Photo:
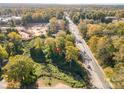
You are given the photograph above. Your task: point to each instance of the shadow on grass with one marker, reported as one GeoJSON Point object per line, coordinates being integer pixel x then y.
{"type": "Point", "coordinates": [77, 71]}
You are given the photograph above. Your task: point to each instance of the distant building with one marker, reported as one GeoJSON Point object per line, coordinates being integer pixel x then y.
{"type": "Point", "coordinates": [5, 20]}
{"type": "Point", "coordinates": [110, 19]}
{"type": "Point", "coordinates": [16, 18]}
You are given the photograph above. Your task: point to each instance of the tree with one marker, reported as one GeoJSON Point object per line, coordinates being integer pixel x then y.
{"type": "Point", "coordinates": [53, 25]}
{"type": "Point", "coordinates": [60, 46]}
{"type": "Point", "coordinates": [27, 18]}
{"type": "Point", "coordinates": [116, 28]}
{"type": "Point", "coordinates": [82, 28]}
{"type": "Point", "coordinates": [70, 38]}
{"type": "Point", "coordinates": [119, 14]}
{"type": "Point", "coordinates": [93, 43]}
{"type": "Point", "coordinates": [119, 45]}
{"type": "Point", "coordinates": [119, 55]}
{"type": "Point", "coordinates": [10, 48]}
{"type": "Point", "coordinates": [37, 17]}
{"type": "Point", "coordinates": [76, 17]}
{"type": "Point", "coordinates": [59, 14]}
{"type": "Point", "coordinates": [117, 42]}
{"type": "Point", "coordinates": [102, 42]}
{"type": "Point", "coordinates": [105, 57]}
{"type": "Point", "coordinates": [3, 55]}
{"type": "Point", "coordinates": [50, 48]}
{"type": "Point", "coordinates": [13, 36]}
{"type": "Point", "coordinates": [94, 29]}
{"type": "Point", "coordinates": [71, 54]}
{"type": "Point", "coordinates": [118, 76]}
{"type": "Point", "coordinates": [16, 39]}
{"type": "Point", "coordinates": [109, 72]}
{"type": "Point", "coordinates": [50, 42]}
{"type": "Point", "coordinates": [105, 50]}
{"type": "Point", "coordinates": [37, 43]}
{"type": "Point", "coordinates": [61, 34]}
{"type": "Point", "coordinates": [62, 25]}
{"type": "Point", "coordinates": [60, 42]}
{"type": "Point", "coordinates": [69, 43]}
{"type": "Point", "coordinates": [36, 49]}
{"type": "Point", "coordinates": [2, 37]}
{"type": "Point", "coordinates": [20, 69]}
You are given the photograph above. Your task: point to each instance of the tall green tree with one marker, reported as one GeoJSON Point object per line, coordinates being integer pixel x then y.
{"type": "Point", "coordinates": [50, 49]}
{"type": "Point", "coordinates": [36, 49]}
{"type": "Point", "coordinates": [53, 25]}
{"type": "Point", "coordinates": [61, 34]}
{"type": "Point", "coordinates": [3, 55]}
{"type": "Point", "coordinates": [82, 26]}
{"type": "Point", "coordinates": [16, 42]}
{"type": "Point", "coordinates": [20, 69]}
{"type": "Point", "coordinates": [71, 54]}
{"type": "Point", "coordinates": [118, 77]}
{"type": "Point", "coordinates": [119, 55]}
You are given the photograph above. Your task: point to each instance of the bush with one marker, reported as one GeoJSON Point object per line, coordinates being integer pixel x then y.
{"type": "Point", "coordinates": [60, 75]}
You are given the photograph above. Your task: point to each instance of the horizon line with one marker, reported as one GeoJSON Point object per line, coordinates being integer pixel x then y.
{"type": "Point", "coordinates": [69, 4]}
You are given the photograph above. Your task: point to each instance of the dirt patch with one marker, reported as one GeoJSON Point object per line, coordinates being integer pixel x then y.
{"type": "Point", "coordinates": [54, 83]}
{"type": "Point", "coordinates": [3, 84]}
{"type": "Point", "coordinates": [61, 85]}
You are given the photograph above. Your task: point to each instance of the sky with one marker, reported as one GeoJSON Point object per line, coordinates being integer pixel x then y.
{"type": "Point", "coordinates": [66, 1]}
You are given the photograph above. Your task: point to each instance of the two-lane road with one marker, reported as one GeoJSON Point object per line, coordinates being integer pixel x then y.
{"type": "Point", "coordinates": [98, 77]}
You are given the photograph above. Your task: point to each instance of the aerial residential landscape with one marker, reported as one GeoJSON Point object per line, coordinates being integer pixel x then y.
{"type": "Point", "coordinates": [61, 46]}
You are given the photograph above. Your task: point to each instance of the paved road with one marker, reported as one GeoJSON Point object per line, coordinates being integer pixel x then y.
{"type": "Point", "coordinates": [98, 77]}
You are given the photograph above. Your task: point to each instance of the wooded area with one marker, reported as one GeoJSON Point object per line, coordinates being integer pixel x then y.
{"type": "Point", "coordinates": [55, 55]}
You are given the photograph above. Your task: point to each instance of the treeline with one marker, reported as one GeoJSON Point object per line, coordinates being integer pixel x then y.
{"type": "Point", "coordinates": [33, 15]}
{"type": "Point", "coordinates": [96, 14]}
{"type": "Point", "coordinates": [42, 15]}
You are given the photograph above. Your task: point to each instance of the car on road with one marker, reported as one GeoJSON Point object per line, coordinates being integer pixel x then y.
{"type": "Point", "coordinates": [89, 67]}
{"type": "Point", "coordinates": [79, 41]}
